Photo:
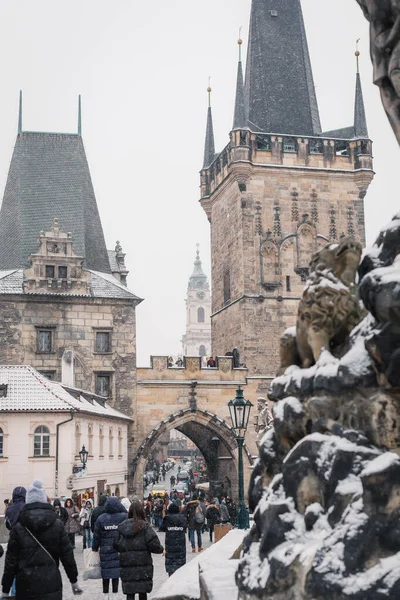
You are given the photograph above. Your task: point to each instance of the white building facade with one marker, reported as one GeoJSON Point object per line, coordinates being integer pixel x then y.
{"type": "Point", "coordinates": [197, 339]}
{"type": "Point", "coordinates": [43, 426]}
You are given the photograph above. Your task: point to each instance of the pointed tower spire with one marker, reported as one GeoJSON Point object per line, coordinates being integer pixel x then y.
{"type": "Point", "coordinates": [198, 278]}
{"type": "Point", "coordinates": [360, 120]}
{"type": "Point", "coordinates": [20, 113]}
{"type": "Point", "coordinates": [280, 94]}
{"type": "Point", "coordinates": [239, 119]}
{"type": "Point", "coordinates": [209, 148]}
{"type": "Point", "coordinates": [80, 115]}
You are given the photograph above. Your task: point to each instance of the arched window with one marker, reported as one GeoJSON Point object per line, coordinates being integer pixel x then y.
{"type": "Point", "coordinates": [77, 439]}
{"type": "Point", "coordinates": [41, 441]}
{"type": "Point", "coordinates": [101, 440]}
{"type": "Point", "coordinates": [119, 442]}
{"type": "Point", "coordinates": [201, 316]}
{"type": "Point", "coordinates": [1, 442]}
{"type": "Point", "coordinates": [90, 437]}
{"type": "Point", "coordinates": [202, 350]}
{"type": "Point", "coordinates": [110, 442]}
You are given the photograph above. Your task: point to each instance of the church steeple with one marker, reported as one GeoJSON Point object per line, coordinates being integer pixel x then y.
{"type": "Point", "coordinates": [198, 278]}
{"type": "Point", "coordinates": [209, 148]}
{"type": "Point", "coordinates": [360, 120]}
{"type": "Point", "coordinates": [279, 92]}
{"type": "Point", "coordinates": [239, 119]}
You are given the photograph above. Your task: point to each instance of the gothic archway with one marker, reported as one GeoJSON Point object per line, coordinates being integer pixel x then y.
{"type": "Point", "coordinates": [213, 437]}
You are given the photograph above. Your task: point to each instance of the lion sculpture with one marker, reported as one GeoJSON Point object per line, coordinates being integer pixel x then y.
{"type": "Point", "coordinates": [329, 308]}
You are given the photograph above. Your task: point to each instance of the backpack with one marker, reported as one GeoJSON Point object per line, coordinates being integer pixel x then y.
{"type": "Point", "coordinates": [199, 515]}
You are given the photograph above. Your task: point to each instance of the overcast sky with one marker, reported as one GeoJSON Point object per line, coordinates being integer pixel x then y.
{"type": "Point", "coordinates": [142, 69]}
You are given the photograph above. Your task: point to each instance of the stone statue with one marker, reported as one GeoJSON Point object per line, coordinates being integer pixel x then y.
{"type": "Point", "coordinates": [329, 308]}
{"type": "Point", "coordinates": [384, 18]}
{"type": "Point", "coordinates": [325, 489]}
{"type": "Point", "coordinates": [263, 418]}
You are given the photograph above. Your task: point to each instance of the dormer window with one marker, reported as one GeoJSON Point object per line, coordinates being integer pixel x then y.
{"type": "Point", "coordinates": [50, 271]}
{"type": "Point", "coordinates": [63, 272]}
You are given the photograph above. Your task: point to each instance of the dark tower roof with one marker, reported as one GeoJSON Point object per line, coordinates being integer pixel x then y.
{"type": "Point", "coordinates": [49, 177]}
{"type": "Point", "coordinates": [280, 94]}
{"type": "Point", "coordinates": [239, 119]}
{"type": "Point", "coordinates": [209, 147]}
{"type": "Point", "coordinates": [360, 120]}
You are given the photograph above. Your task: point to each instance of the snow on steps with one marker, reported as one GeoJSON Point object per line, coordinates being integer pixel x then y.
{"type": "Point", "coordinates": [217, 573]}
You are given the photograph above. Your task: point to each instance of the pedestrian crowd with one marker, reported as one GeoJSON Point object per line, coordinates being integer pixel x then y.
{"type": "Point", "coordinates": [123, 532]}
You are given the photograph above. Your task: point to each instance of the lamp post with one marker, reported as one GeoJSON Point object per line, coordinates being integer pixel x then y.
{"type": "Point", "coordinates": [83, 455]}
{"type": "Point", "coordinates": [239, 410]}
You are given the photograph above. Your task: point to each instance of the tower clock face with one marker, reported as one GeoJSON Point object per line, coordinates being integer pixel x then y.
{"type": "Point", "coordinates": [200, 295]}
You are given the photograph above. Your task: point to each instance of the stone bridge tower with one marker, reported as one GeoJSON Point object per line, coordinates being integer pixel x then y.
{"type": "Point", "coordinates": [279, 190]}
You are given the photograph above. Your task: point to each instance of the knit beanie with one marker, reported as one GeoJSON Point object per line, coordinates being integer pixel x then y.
{"type": "Point", "coordinates": [36, 493]}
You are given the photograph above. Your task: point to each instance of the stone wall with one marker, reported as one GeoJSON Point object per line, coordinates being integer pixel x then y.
{"type": "Point", "coordinates": [75, 321]}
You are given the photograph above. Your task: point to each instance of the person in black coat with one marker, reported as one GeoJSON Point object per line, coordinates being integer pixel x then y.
{"type": "Point", "coordinates": [99, 510]}
{"type": "Point", "coordinates": [174, 525]}
{"type": "Point", "coordinates": [105, 534]}
{"type": "Point", "coordinates": [213, 516]}
{"type": "Point", "coordinates": [136, 541]}
{"type": "Point", "coordinates": [38, 541]}
{"type": "Point", "coordinates": [12, 512]}
{"type": "Point", "coordinates": [61, 512]}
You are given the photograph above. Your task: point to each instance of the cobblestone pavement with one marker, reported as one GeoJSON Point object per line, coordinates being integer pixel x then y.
{"type": "Point", "coordinates": [93, 589]}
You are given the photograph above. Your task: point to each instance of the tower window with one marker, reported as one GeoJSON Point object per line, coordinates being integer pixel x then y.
{"type": "Point", "coordinates": [227, 286]}
{"type": "Point", "coordinates": [289, 145]}
{"type": "Point", "coordinates": [200, 315]}
{"type": "Point", "coordinates": [49, 375]}
{"type": "Point", "coordinates": [63, 272]}
{"type": "Point", "coordinates": [45, 341]}
{"type": "Point", "coordinates": [202, 350]}
{"type": "Point", "coordinates": [50, 271]}
{"type": "Point", "coordinates": [288, 286]}
{"type": "Point", "coordinates": [103, 342]}
{"type": "Point", "coordinates": [1, 441]}
{"type": "Point", "coordinates": [103, 384]}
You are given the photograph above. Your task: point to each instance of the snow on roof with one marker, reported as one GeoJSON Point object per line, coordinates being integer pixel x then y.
{"type": "Point", "coordinates": [29, 391]}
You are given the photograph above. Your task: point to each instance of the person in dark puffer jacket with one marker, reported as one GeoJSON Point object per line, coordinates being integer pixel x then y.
{"type": "Point", "coordinates": [105, 534]}
{"type": "Point", "coordinates": [18, 501]}
{"type": "Point", "coordinates": [99, 510]}
{"type": "Point", "coordinates": [36, 569]}
{"type": "Point", "coordinates": [174, 525]}
{"type": "Point", "coordinates": [136, 541]}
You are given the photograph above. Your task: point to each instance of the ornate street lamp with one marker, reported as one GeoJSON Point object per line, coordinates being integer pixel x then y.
{"type": "Point", "coordinates": [83, 455]}
{"type": "Point", "coordinates": [239, 409]}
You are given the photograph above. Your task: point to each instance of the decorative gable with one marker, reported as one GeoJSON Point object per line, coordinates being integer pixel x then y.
{"type": "Point", "coordinates": [55, 268]}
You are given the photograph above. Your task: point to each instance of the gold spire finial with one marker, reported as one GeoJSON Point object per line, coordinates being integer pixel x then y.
{"type": "Point", "coordinates": [209, 90]}
{"type": "Point", "coordinates": [357, 55]}
{"type": "Point", "coordinates": [240, 42]}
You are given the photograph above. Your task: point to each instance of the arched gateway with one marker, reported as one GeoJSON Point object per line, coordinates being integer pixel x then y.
{"type": "Point", "coordinates": [194, 401]}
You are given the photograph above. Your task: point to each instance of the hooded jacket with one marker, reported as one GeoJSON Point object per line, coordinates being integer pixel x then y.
{"type": "Point", "coordinates": [190, 510]}
{"type": "Point", "coordinates": [174, 525]}
{"type": "Point", "coordinates": [61, 512]}
{"type": "Point", "coordinates": [105, 534]}
{"type": "Point", "coordinates": [37, 574]}
{"type": "Point", "coordinates": [98, 510]}
{"type": "Point", "coordinates": [135, 543]}
{"type": "Point", "coordinates": [213, 514]}
{"type": "Point", "coordinates": [18, 501]}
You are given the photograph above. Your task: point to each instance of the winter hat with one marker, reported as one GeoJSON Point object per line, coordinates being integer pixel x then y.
{"type": "Point", "coordinates": [36, 493]}
{"type": "Point", "coordinates": [126, 503]}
